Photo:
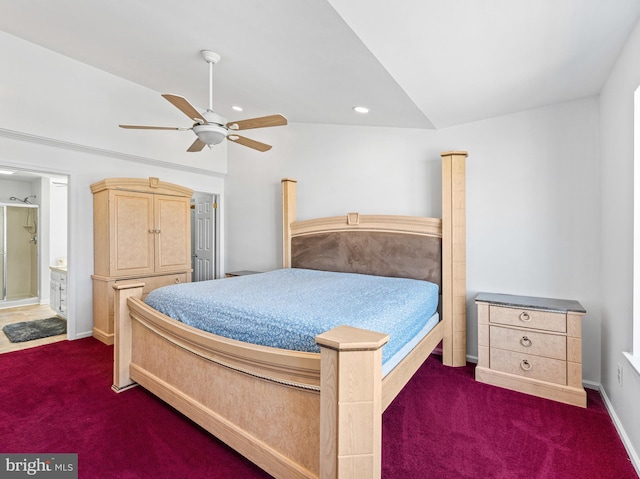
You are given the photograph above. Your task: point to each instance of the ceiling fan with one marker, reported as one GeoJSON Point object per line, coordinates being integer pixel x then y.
{"type": "Point", "coordinates": [211, 128]}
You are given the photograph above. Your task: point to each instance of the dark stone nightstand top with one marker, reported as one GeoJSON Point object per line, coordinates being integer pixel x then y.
{"type": "Point", "coordinates": [529, 302]}
{"type": "Point", "coordinates": [243, 272]}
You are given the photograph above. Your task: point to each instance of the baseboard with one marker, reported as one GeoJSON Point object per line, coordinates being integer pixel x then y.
{"type": "Point", "coordinates": [591, 385]}
{"type": "Point", "coordinates": [85, 334]}
{"type": "Point", "coordinates": [633, 455]}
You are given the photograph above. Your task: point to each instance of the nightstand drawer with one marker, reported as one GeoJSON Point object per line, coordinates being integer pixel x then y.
{"type": "Point", "coordinates": [528, 342]}
{"type": "Point", "coordinates": [543, 320]}
{"type": "Point", "coordinates": [529, 366]}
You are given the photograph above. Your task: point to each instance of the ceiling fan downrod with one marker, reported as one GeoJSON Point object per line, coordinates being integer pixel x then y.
{"type": "Point", "coordinates": [211, 58]}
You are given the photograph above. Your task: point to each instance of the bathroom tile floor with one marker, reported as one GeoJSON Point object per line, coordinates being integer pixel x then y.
{"type": "Point", "coordinates": [25, 313]}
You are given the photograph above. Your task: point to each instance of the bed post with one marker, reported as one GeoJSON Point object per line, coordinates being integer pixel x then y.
{"type": "Point", "coordinates": [288, 217]}
{"type": "Point", "coordinates": [351, 403]}
{"type": "Point", "coordinates": [122, 334]}
{"type": "Point", "coordinates": [454, 287]}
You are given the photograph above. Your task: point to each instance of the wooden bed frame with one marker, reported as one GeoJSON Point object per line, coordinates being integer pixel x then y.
{"type": "Point", "coordinates": [297, 414]}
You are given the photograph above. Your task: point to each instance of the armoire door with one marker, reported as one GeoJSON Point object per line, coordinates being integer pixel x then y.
{"type": "Point", "coordinates": [173, 233]}
{"type": "Point", "coordinates": [133, 233]}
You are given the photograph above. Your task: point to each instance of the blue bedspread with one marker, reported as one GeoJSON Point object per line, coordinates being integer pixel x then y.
{"type": "Point", "coordinates": [287, 308]}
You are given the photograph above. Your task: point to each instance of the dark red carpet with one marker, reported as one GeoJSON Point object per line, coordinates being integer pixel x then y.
{"type": "Point", "coordinates": [57, 399]}
{"type": "Point", "coordinates": [446, 425]}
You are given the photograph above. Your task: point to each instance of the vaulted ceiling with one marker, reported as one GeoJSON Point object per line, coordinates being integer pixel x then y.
{"type": "Point", "coordinates": [413, 63]}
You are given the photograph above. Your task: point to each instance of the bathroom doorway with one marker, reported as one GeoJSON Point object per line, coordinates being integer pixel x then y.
{"type": "Point", "coordinates": [33, 234]}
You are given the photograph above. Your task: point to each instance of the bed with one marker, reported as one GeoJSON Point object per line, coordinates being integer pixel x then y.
{"type": "Point", "coordinates": [302, 414]}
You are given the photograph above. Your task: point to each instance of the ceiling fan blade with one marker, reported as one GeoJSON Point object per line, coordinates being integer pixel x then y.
{"type": "Point", "coordinates": [185, 107]}
{"type": "Point", "coordinates": [256, 145]}
{"type": "Point", "coordinates": [264, 121]}
{"type": "Point", "coordinates": [142, 127]}
{"type": "Point", "coordinates": [197, 146]}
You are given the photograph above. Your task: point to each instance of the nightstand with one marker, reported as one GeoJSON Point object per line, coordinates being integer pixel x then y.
{"type": "Point", "coordinates": [243, 272]}
{"type": "Point", "coordinates": [532, 345]}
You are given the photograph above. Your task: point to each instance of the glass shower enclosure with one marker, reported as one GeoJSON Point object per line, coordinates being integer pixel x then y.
{"type": "Point", "coordinates": [18, 254]}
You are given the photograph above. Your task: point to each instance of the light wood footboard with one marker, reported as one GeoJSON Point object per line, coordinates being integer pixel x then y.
{"type": "Point", "coordinates": [296, 415]}
{"type": "Point", "coordinates": [262, 402]}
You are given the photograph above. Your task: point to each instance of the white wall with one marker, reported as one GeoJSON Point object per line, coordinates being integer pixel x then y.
{"type": "Point", "coordinates": [532, 198]}
{"type": "Point", "coordinates": [616, 225]}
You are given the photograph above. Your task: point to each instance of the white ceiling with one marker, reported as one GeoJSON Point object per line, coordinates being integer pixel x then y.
{"type": "Point", "coordinates": [414, 63]}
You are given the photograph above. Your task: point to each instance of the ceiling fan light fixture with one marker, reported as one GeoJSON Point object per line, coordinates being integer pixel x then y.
{"type": "Point", "coordinates": [210, 128]}
{"type": "Point", "coordinates": [210, 134]}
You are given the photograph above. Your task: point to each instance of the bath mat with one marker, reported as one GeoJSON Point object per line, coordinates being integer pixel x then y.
{"type": "Point", "coordinates": [36, 329]}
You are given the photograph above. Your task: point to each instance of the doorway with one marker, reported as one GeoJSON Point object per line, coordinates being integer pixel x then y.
{"type": "Point", "coordinates": [33, 234]}
{"type": "Point", "coordinates": [203, 236]}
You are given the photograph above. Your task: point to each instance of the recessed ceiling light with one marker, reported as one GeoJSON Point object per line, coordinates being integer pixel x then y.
{"type": "Point", "coordinates": [6, 172]}
{"type": "Point", "coordinates": [236, 108]}
{"type": "Point", "coordinates": [360, 109]}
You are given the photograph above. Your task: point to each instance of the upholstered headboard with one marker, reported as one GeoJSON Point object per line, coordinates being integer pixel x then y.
{"type": "Point", "coordinates": [382, 245]}
{"type": "Point", "coordinates": [379, 253]}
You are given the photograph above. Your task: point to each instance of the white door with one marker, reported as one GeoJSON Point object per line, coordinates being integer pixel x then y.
{"type": "Point", "coordinates": [203, 227]}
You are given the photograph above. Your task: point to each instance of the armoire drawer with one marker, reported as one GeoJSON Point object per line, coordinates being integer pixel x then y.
{"type": "Point", "coordinates": [103, 298]}
{"type": "Point", "coordinates": [150, 283]}
{"type": "Point", "coordinates": [155, 282]}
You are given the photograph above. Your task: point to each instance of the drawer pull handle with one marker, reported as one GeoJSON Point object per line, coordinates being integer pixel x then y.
{"type": "Point", "coordinates": [526, 365]}
{"type": "Point", "coordinates": [524, 316]}
{"type": "Point", "coordinates": [151, 230]}
{"type": "Point", "coordinates": [157, 231]}
{"type": "Point", "coordinates": [526, 342]}
{"type": "Point", "coordinates": [177, 280]}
